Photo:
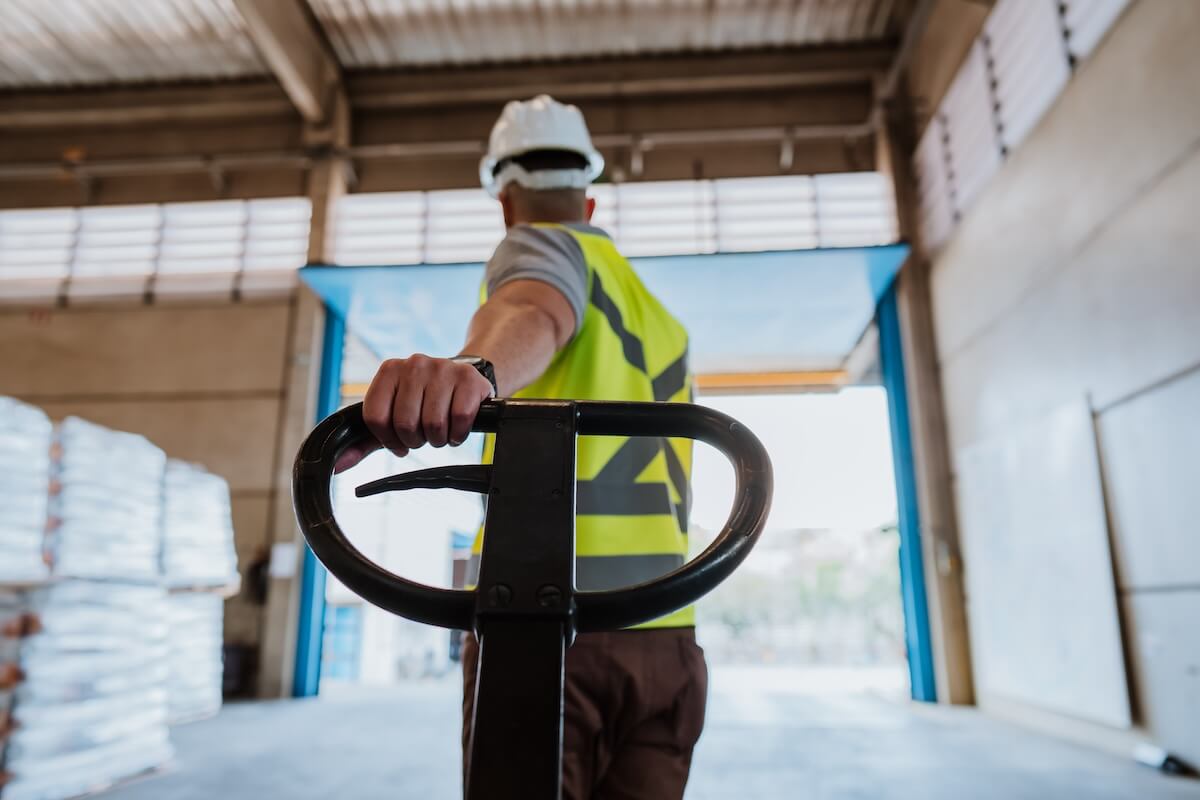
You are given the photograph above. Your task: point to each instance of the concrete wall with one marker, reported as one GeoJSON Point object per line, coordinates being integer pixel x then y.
{"type": "Point", "coordinates": [227, 385]}
{"type": "Point", "coordinates": [1075, 275]}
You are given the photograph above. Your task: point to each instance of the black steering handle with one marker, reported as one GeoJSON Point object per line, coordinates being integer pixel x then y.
{"type": "Point", "coordinates": [595, 611]}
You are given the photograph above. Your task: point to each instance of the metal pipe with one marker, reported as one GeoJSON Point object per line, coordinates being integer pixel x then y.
{"type": "Point", "coordinates": [468, 147]}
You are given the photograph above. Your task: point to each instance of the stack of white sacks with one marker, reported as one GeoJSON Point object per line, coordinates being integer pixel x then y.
{"type": "Point", "coordinates": [90, 706]}
{"type": "Point", "coordinates": [197, 546]}
{"type": "Point", "coordinates": [83, 657]}
{"type": "Point", "coordinates": [196, 629]}
{"type": "Point", "coordinates": [25, 436]}
{"type": "Point", "coordinates": [198, 558]}
{"type": "Point", "coordinates": [108, 511]}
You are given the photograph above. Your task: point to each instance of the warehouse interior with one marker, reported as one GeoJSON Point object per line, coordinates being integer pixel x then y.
{"type": "Point", "coordinates": [218, 216]}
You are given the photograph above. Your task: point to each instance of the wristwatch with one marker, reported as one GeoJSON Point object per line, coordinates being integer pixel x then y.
{"type": "Point", "coordinates": [482, 366]}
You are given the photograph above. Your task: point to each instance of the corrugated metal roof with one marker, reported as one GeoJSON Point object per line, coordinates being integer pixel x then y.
{"type": "Point", "coordinates": [91, 42]}
{"type": "Point", "coordinates": [87, 42]}
{"type": "Point", "coordinates": [386, 33]}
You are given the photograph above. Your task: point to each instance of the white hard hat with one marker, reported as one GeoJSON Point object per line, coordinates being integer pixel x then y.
{"type": "Point", "coordinates": [542, 123]}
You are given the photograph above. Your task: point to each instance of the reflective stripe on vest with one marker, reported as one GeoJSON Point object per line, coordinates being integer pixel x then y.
{"type": "Point", "coordinates": [633, 494]}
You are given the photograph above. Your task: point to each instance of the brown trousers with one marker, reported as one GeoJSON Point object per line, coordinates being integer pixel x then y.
{"type": "Point", "coordinates": [634, 711]}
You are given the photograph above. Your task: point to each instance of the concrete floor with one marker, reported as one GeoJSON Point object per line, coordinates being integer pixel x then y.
{"type": "Point", "coordinates": [770, 736]}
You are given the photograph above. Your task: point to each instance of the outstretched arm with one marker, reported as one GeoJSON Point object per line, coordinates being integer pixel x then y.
{"type": "Point", "coordinates": [418, 400]}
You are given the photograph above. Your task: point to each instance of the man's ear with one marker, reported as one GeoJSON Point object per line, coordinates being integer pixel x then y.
{"type": "Point", "coordinates": [506, 204]}
{"type": "Point", "coordinates": [589, 209]}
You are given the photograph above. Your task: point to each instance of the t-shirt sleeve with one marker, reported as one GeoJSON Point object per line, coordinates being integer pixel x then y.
{"type": "Point", "coordinates": [549, 255]}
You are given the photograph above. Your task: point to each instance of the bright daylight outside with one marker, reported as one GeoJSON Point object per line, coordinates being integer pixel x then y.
{"type": "Point", "coordinates": [815, 610]}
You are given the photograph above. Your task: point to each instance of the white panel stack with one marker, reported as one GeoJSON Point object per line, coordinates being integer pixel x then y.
{"type": "Point", "coordinates": [1087, 21]}
{"type": "Point", "coordinates": [657, 218]}
{"type": "Point", "coordinates": [379, 228]}
{"type": "Point", "coordinates": [971, 129]}
{"type": "Point", "coordinates": [195, 636]}
{"type": "Point", "coordinates": [933, 186]}
{"type": "Point", "coordinates": [107, 513]}
{"type": "Point", "coordinates": [25, 436]}
{"type": "Point", "coordinates": [765, 214]}
{"type": "Point", "coordinates": [1009, 79]}
{"type": "Point", "coordinates": [855, 209]}
{"type": "Point", "coordinates": [462, 225]}
{"type": "Point", "coordinates": [169, 251]}
{"type": "Point", "coordinates": [667, 218]}
{"type": "Point", "coordinates": [197, 546]}
{"type": "Point", "coordinates": [90, 708]}
{"type": "Point", "coordinates": [1029, 63]}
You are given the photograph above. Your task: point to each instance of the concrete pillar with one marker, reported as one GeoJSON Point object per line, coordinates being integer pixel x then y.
{"type": "Point", "coordinates": [328, 177]}
{"type": "Point", "coordinates": [931, 460]}
{"type": "Point", "coordinates": [297, 414]}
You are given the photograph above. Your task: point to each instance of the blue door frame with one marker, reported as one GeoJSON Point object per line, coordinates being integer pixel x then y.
{"type": "Point", "coordinates": [912, 570]}
{"type": "Point", "coordinates": [306, 678]}
{"type": "Point", "coordinates": [307, 675]}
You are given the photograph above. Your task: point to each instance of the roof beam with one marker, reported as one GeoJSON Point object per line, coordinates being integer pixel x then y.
{"type": "Point", "coordinates": [790, 111]}
{"type": "Point", "coordinates": [937, 36]}
{"type": "Point", "coordinates": [295, 49]}
{"type": "Point", "coordinates": [631, 76]}
{"type": "Point", "coordinates": [914, 29]}
{"type": "Point", "coordinates": [154, 105]}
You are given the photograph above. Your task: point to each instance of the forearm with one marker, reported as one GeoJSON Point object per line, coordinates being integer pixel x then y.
{"type": "Point", "coordinates": [519, 338]}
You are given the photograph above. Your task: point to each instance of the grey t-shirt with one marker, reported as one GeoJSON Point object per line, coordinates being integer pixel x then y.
{"type": "Point", "coordinates": [546, 254]}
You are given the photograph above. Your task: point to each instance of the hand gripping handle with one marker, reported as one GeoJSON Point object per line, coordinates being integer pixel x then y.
{"type": "Point", "coordinates": [595, 611]}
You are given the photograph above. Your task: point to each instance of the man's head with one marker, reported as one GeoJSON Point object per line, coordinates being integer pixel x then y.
{"type": "Point", "coordinates": [525, 205]}
{"type": "Point", "coordinates": [540, 161]}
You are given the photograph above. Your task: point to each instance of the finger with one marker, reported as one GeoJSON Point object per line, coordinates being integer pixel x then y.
{"type": "Point", "coordinates": [377, 406]}
{"type": "Point", "coordinates": [353, 455]}
{"type": "Point", "coordinates": [435, 411]}
{"type": "Point", "coordinates": [406, 413]}
{"type": "Point", "coordinates": [464, 408]}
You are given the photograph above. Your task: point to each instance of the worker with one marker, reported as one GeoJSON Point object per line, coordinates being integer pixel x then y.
{"type": "Point", "coordinates": [565, 316]}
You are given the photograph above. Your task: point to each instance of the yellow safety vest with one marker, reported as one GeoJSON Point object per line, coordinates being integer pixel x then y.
{"type": "Point", "coordinates": [632, 495]}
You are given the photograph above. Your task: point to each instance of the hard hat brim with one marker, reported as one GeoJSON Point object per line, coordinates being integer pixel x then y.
{"type": "Point", "coordinates": [489, 180]}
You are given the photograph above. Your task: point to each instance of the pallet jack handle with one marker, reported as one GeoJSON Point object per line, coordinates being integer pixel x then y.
{"type": "Point", "coordinates": [527, 610]}
{"type": "Point", "coordinates": [595, 611]}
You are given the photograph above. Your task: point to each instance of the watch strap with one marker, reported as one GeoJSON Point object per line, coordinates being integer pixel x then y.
{"type": "Point", "coordinates": [482, 366]}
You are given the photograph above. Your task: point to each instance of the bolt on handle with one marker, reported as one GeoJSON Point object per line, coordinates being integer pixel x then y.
{"type": "Point", "coordinates": [595, 611]}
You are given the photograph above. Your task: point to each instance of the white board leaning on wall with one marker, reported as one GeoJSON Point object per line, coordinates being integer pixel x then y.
{"type": "Point", "coordinates": [1040, 588]}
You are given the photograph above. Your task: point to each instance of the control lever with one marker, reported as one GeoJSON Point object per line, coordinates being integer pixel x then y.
{"type": "Point", "coordinates": [465, 478]}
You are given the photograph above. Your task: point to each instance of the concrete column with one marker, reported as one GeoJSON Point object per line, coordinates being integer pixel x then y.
{"type": "Point", "coordinates": [297, 414]}
{"type": "Point", "coordinates": [931, 460]}
{"type": "Point", "coordinates": [328, 177]}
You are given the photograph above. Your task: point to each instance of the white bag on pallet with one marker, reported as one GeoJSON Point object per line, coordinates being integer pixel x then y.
{"type": "Point", "coordinates": [91, 707]}
{"type": "Point", "coordinates": [198, 545]}
{"type": "Point", "coordinates": [196, 659]}
{"type": "Point", "coordinates": [107, 510]}
{"type": "Point", "coordinates": [25, 474]}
